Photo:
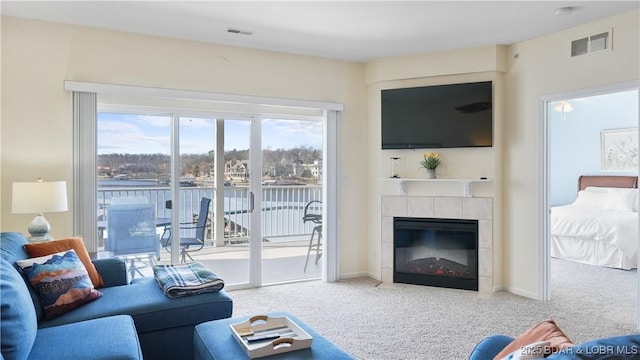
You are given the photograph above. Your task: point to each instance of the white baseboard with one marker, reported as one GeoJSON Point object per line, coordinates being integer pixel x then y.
{"type": "Point", "coordinates": [513, 290]}
{"type": "Point", "coordinates": [356, 275]}
{"type": "Point", "coordinates": [520, 292]}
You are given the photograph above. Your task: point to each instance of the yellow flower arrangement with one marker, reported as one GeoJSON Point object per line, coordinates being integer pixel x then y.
{"type": "Point", "coordinates": [430, 161]}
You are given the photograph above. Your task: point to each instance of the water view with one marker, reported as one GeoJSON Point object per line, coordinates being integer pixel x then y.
{"type": "Point", "coordinates": [133, 161]}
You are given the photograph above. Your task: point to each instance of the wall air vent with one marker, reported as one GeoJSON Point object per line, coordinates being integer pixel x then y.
{"type": "Point", "coordinates": [238, 31]}
{"type": "Point", "coordinates": [590, 44]}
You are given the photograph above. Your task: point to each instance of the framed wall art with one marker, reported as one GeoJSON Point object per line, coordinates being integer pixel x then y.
{"type": "Point", "coordinates": [619, 148]}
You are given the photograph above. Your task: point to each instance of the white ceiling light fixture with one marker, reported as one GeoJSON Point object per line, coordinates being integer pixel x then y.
{"type": "Point", "coordinates": [563, 107]}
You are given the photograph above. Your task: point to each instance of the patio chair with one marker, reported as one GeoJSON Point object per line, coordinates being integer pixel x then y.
{"type": "Point", "coordinates": [131, 235]}
{"type": "Point", "coordinates": [193, 243]}
{"type": "Point", "coordinates": [313, 213]}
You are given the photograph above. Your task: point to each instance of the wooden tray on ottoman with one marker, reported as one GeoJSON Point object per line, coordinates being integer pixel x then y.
{"type": "Point", "coordinates": [291, 336]}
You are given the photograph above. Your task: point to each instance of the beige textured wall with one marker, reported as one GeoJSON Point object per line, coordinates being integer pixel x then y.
{"type": "Point", "coordinates": [37, 114]}
{"type": "Point", "coordinates": [543, 67]}
{"type": "Point", "coordinates": [35, 133]}
{"type": "Point", "coordinates": [458, 66]}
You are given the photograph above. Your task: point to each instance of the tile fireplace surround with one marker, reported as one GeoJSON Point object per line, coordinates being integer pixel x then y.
{"type": "Point", "coordinates": [443, 207]}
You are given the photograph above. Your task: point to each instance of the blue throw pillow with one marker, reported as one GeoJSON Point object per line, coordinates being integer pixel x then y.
{"type": "Point", "coordinates": [61, 280]}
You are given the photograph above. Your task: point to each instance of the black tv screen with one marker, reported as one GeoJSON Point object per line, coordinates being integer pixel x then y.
{"type": "Point", "coordinates": [441, 116]}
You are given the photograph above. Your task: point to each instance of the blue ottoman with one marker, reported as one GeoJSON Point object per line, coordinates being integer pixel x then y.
{"type": "Point", "coordinates": [213, 340]}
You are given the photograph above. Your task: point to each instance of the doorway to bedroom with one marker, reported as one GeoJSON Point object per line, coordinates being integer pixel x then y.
{"type": "Point", "coordinates": [592, 133]}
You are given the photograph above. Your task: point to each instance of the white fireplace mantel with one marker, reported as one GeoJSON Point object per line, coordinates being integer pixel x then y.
{"type": "Point", "coordinates": [467, 184]}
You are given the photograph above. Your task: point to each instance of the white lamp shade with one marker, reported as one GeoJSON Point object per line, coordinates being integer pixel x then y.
{"type": "Point", "coordinates": [37, 197]}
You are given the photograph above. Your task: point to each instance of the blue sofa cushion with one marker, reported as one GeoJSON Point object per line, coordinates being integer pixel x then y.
{"type": "Point", "coordinates": [19, 324]}
{"type": "Point", "coordinates": [12, 249]}
{"type": "Point", "coordinates": [107, 338]}
{"type": "Point", "coordinates": [61, 280]}
{"type": "Point", "coordinates": [112, 270]}
{"type": "Point", "coordinates": [151, 309]}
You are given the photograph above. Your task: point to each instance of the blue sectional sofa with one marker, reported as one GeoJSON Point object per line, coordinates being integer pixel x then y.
{"type": "Point", "coordinates": [164, 326]}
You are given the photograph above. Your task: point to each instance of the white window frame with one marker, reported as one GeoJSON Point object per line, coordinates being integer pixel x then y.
{"type": "Point", "coordinates": [85, 110]}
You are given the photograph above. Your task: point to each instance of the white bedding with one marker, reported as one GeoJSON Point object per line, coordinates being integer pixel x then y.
{"type": "Point", "coordinates": [595, 232]}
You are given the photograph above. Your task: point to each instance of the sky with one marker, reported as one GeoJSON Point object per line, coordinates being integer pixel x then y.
{"type": "Point", "coordinates": [150, 134]}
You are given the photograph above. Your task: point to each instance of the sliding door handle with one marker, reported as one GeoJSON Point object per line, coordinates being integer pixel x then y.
{"type": "Point", "coordinates": [251, 207]}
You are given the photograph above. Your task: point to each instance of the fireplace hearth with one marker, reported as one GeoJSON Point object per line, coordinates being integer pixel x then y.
{"type": "Point", "coordinates": [436, 252]}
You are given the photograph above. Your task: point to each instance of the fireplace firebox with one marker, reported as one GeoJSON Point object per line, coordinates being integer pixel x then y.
{"type": "Point", "coordinates": [436, 252]}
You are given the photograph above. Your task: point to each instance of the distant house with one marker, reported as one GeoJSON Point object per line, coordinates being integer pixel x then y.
{"type": "Point", "coordinates": [297, 168]}
{"type": "Point", "coordinates": [316, 169]}
{"type": "Point", "coordinates": [237, 169]}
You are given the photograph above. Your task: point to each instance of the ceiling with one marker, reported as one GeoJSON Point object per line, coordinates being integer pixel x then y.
{"type": "Point", "coordinates": [348, 30]}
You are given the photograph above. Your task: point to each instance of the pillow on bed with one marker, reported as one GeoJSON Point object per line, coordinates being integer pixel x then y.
{"type": "Point", "coordinates": [597, 188]}
{"type": "Point", "coordinates": [632, 193]}
{"type": "Point", "coordinates": [591, 199]}
{"type": "Point", "coordinates": [620, 199]}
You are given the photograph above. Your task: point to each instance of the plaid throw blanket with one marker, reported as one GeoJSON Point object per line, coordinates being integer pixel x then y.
{"type": "Point", "coordinates": [187, 279]}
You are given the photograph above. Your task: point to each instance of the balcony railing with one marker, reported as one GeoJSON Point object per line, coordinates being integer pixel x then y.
{"type": "Point", "coordinates": [282, 208]}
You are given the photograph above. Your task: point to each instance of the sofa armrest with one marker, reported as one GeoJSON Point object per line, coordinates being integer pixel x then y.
{"type": "Point", "coordinates": [112, 270]}
{"type": "Point", "coordinates": [490, 346]}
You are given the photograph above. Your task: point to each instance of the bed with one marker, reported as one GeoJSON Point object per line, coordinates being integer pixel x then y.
{"type": "Point", "coordinates": [601, 226]}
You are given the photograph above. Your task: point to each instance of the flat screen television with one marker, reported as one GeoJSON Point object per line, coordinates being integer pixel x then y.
{"type": "Point", "coordinates": [441, 116]}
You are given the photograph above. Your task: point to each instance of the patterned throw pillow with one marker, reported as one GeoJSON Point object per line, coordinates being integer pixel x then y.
{"type": "Point", "coordinates": [61, 280]}
{"type": "Point", "coordinates": [53, 246]}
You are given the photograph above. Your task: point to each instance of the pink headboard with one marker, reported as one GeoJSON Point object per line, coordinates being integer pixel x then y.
{"type": "Point", "coordinates": [607, 181]}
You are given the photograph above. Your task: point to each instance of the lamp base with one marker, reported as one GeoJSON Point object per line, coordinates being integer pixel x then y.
{"type": "Point", "coordinates": [34, 239]}
{"type": "Point", "coordinates": [39, 229]}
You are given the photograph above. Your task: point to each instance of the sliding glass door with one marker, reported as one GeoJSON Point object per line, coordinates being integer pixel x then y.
{"type": "Point", "coordinates": [253, 183]}
{"type": "Point", "coordinates": [133, 162]}
{"type": "Point", "coordinates": [215, 164]}
{"type": "Point", "coordinates": [291, 202]}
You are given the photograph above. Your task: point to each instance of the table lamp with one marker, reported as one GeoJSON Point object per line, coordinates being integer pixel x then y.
{"type": "Point", "coordinates": [39, 197]}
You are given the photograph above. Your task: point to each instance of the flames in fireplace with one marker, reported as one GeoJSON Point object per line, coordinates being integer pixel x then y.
{"type": "Point", "coordinates": [437, 266]}
{"type": "Point", "coordinates": [436, 252]}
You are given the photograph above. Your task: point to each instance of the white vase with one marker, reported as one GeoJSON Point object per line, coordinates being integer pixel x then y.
{"type": "Point", "coordinates": [431, 174]}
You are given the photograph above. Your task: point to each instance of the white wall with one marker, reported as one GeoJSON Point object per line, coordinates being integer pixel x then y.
{"type": "Point", "coordinates": [37, 113]}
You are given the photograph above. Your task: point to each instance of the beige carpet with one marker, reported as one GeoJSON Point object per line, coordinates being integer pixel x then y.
{"type": "Point", "coordinates": [396, 321]}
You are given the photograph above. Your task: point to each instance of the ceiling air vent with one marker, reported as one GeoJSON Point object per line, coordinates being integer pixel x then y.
{"type": "Point", "coordinates": [590, 44]}
{"type": "Point", "coordinates": [238, 31]}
